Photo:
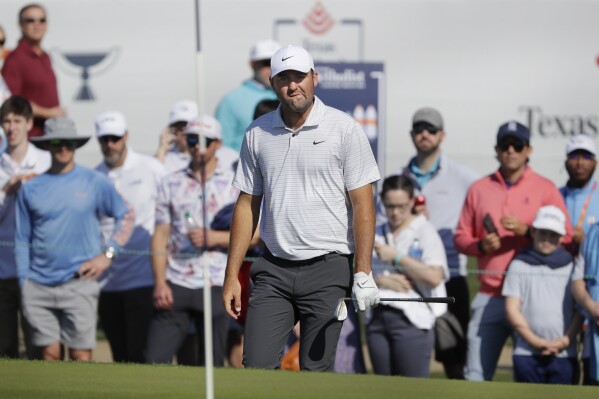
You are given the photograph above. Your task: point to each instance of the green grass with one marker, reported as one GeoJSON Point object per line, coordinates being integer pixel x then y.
{"type": "Point", "coordinates": [69, 380]}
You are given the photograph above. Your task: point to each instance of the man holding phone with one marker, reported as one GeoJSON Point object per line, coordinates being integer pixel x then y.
{"type": "Point", "coordinates": [173, 151]}
{"type": "Point", "coordinates": [494, 227]}
{"type": "Point", "coordinates": [442, 183]}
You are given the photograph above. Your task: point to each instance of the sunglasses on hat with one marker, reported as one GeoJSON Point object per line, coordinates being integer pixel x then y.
{"type": "Point", "coordinates": [422, 126]}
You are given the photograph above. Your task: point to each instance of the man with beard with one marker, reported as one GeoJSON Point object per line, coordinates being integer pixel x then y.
{"type": "Point", "coordinates": [125, 305]}
{"type": "Point", "coordinates": [443, 182]}
{"type": "Point", "coordinates": [236, 110]}
{"type": "Point", "coordinates": [580, 192]}
{"type": "Point", "coordinates": [582, 201]}
{"type": "Point", "coordinates": [314, 168]}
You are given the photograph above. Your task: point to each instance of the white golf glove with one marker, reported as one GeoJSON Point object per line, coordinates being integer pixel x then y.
{"type": "Point", "coordinates": [365, 293]}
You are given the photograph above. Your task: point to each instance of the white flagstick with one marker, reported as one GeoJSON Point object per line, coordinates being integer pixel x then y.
{"type": "Point", "coordinates": [209, 361]}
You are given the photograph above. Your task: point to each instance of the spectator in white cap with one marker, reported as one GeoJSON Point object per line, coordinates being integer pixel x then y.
{"type": "Point", "coordinates": [235, 111]}
{"type": "Point", "coordinates": [58, 248]}
{"type": "Point", "coordinates": [181, 245]}
{"type": "Point", "coordinates": [580, 192]}
{"type": "Point", "coordinates": [125, 305]}
{"type": "Point", "coordinates": [582, 201]}
{"type": "Point", "coordinates": [320, 158]}
{"type": "Point", "coordinates": [173, 151]}
{"type": "Point", "coordinates": [540, 307]}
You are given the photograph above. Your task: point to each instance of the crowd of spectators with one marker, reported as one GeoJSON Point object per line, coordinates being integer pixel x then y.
{"type": "Point", "coordinates": [131, 239]}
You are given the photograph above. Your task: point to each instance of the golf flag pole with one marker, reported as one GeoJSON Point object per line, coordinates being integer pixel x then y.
{"type": "Point", "coordinates": [209, 361]}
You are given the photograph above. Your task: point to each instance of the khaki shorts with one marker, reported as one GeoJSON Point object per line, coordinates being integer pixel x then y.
{"type": "Point", "coordinates": [66, 313]}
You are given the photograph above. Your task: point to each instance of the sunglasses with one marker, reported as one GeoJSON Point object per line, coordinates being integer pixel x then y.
{"type": "Point", "coordinates": [581, 155]}
{"type": "Point", "coordinates": [110, 138]}
{"type": "Point", "coordinates": [194, 139]}
{"type": "Point", "coordinates": [2, 41]}
{"type": "Point", "coordinates": [263, 63]}
{"type": "Point", "coordinates": [505, 145]}
{"type": "Point", "coordinates": [33, 20]}
{"type": "Point", "coordinates": [421, 127]}
{"type": "Point", "coordinates": [59, 143]}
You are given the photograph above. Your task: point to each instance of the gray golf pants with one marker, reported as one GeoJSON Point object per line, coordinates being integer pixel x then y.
{"type": "Point", "coordinates": [286, 292]}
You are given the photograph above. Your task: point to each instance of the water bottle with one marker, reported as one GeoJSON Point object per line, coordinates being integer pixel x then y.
{"type": "Point", "coordinates": [415, 250]}
{"type": "Point", "coordinates": [190, 222]}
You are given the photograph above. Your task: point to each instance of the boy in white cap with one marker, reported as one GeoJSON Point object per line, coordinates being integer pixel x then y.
{"type": "Point", "coordinates": [177, 256]}
{"type": "Point", "coordinates": [580, 192]}
{"type": "Point", "coordinates": [313, 167]}
{"type": "Point", "coordinates": [236, 110]}
{"type": "Point", "coordinates": [540, 307]}
{"type": "Point", "coordinates": [125, 305]}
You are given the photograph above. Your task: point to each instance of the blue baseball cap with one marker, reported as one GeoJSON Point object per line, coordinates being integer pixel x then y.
{"type": "Point", "coordinates": [514, 129]}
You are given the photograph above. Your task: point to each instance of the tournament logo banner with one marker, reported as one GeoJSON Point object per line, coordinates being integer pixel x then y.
{"type": "Point", "coordinates": [358, 90]}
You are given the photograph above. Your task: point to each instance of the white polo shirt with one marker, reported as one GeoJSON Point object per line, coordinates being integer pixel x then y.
{"type": "Point", "coordinates": [36, 161]}
{"type": "Point", "coordinates": [305, 177]}
{"type": "Point", "coordinates": [138, 181]}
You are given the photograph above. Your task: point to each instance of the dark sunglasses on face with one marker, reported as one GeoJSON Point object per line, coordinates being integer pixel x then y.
{"type": "Point", "coordinates": [505, 145]}
{"type": "Point", "coordinates": [110, 138]}
{"type": "Point", "coordinates": [263, 63]}
{"type": "Point", "coordinates": [421, 127]}
{"type": "Point", "coordinates": [33, 20]}
{"type": "Point", "coordinates": [2, 41]}
{"type": "Point", "coordinates": [58, 143]}
{"type": "Point", "coordinates": [581, 155]}
{"type": "Point", "coordinates": [194, 139]}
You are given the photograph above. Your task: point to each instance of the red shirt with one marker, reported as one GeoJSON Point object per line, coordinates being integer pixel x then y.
{"type": "Point", "coordinates": [31, 75]}
{"type": "Point", "coordinates": [491, 195]}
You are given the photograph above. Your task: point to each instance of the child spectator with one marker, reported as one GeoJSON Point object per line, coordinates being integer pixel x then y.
{"type": "Point", "coordinates": [540, 307]}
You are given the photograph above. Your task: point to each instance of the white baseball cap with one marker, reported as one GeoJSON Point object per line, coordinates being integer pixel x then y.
{"type": "Point", "coordinates": [552, 218]}
{"type": "Point", "coordinates": [183, 111]}
{"type": "Point", "coordinates": [205, 125]}
{"type": "Point", "coordinates": [581, 142]}
{"type": "Point", "coordinates": [291, 57]}
{"type": "Point", "coordinates": [263, 50]}
{"type": "Point", "coordinates": [111, 123]}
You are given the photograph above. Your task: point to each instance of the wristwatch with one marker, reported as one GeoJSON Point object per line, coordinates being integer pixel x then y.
{"type": "Point", "coordinates": [110, 253]}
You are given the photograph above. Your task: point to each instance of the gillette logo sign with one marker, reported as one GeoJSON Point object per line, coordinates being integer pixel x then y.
{"type": "Point", "coordinates": [329, 78]}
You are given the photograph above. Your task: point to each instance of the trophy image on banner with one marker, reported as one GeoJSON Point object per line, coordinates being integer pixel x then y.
{"type": "Point", "coordinates": [85, 65]}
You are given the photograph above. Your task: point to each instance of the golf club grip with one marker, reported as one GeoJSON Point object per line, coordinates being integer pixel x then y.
{"type": "Point", "coordinates": [449, 299]}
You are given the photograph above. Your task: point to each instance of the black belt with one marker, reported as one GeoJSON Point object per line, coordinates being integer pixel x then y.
{"type": "Point", "coordinates": [305, 262]}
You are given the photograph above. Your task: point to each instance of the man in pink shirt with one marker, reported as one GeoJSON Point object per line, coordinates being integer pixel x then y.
{"type": "Point", "coordinates": [493, 227]}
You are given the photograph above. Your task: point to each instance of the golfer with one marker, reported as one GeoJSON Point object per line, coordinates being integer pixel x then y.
{"type": "Point", "coordinates": [313, 168]}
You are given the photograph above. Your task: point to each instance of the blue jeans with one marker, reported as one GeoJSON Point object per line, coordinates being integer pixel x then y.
{"type": "Point", "coordinates": [487, 332]}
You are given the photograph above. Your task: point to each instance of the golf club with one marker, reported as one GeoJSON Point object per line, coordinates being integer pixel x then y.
{"type": "Point", "coordinates": [341, 308]}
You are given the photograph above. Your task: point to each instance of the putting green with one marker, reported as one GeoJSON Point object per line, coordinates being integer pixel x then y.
{"type": "Point", "coordinates": [69, 380]}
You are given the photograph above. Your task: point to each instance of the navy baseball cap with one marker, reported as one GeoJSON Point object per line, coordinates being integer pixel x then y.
{"type": "Point", "coordinates": [514, 129]}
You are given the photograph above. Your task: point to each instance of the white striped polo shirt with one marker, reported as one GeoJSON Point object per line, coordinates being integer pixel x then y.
{"type": "Point", "coordinates": [305, 178]}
